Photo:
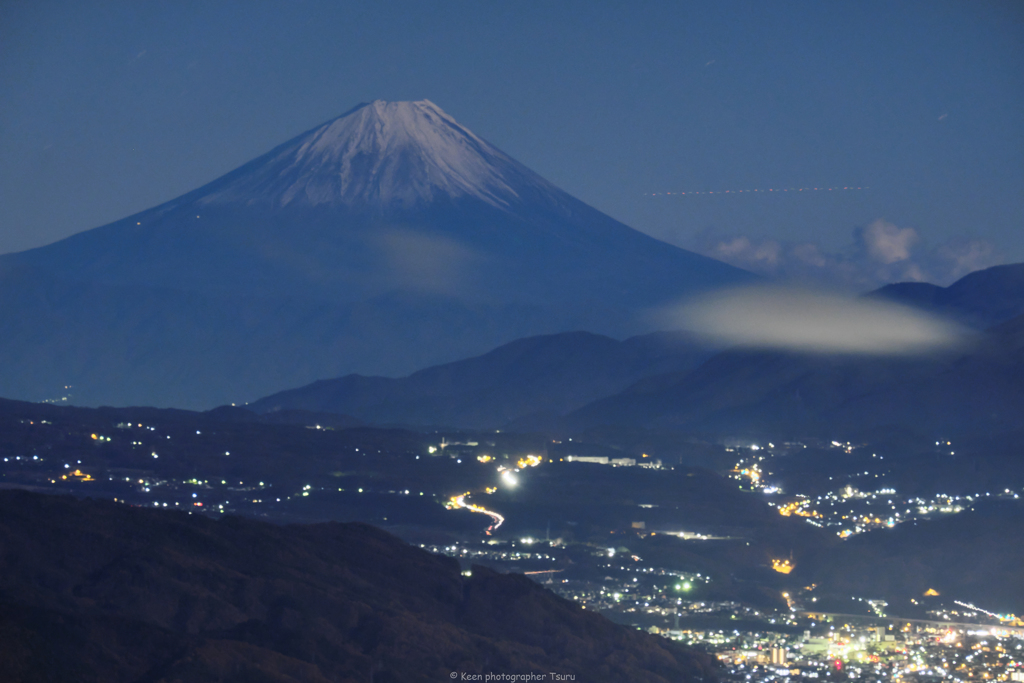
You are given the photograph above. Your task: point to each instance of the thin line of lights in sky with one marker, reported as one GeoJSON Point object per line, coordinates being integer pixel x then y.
{"type": "Point", "coordinates": [770, 189]}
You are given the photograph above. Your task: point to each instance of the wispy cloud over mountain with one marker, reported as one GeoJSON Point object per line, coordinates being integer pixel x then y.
{"type": "Point", "coordinates": [812, 321]}
{"type": "Point", "coordinates": [879, 253]}
{"type": "Point", "coordinates": [885, 243]}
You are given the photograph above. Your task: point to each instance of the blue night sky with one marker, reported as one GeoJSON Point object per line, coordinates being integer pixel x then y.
{"type": "Point", "coordinates": [111, 108]}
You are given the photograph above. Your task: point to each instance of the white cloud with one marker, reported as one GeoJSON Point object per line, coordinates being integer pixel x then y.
{"type": "Point", "coordinates": [879, 254]}
{"type": "Point", "coordinates": [886, 243]}
{"type": "Point", "coordinates": [802, 320]}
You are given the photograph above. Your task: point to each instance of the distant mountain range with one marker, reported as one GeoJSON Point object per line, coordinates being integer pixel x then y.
{"type": "Point", "coordinates": [977, 392]}
{"type": "Point", "coordinates": [532, 378]}
{"type": "Point", "coordinates": [980, 299]}
{"type": "Point", "coordinates": [387, 240]}
{"type": "Point", "coordinates": [99, 591]}
{"type": "Point", "coordinates": [575, 382]}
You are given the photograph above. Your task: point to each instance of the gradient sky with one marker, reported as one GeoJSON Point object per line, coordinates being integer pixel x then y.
{"type": "Point", "coordinates": [110, 108]}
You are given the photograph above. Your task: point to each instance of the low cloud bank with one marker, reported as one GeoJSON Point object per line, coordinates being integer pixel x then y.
{"type": "Point", "coordinates": [801, 320]}
{"type": "Point", "coordinates": [880, 253]}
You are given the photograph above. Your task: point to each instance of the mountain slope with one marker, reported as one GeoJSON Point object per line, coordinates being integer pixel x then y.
{"type": "Point", "coordinates": [381, 242]}
{"type": "Point", "coordinates": [979, 391]}
{"type": "Point", "coordinates": [99, 591]}
{"type": "Point", "coordinates": [381, 157]}
{"type": "Point", "coordinates": [980, 299]}
{"type": "Point", "coordinates": [550, 374]}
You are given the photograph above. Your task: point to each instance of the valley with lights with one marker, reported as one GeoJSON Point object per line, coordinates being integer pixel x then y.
{"type": "Point", "coordinates": [778, 559]}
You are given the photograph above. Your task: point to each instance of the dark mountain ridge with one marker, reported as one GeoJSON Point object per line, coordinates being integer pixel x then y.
{"type": "Point", "coordinates": [978, 391]}
{"type": "Point", "coordinates": [97, 591]}
{"type": "Point", "coordinates": [530, 383]}
{"type": "Point", "coordinates": [547, 375]}
{"type": "Point", "coordinates": [980, 299]}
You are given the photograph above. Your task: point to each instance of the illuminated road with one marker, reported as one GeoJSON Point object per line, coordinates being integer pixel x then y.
{"type": "Point", "coordinates": [508, 478]}
{"type": "Point", "coordinates": [460, 502]}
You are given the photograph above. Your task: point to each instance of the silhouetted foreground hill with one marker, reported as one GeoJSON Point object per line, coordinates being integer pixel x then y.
{"type": "Point", "coordinates": [542, 375]}
{"type": "Point", "coordinates": [97, 591]}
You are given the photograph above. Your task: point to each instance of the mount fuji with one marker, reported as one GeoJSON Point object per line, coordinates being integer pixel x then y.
{"type": "Point", "coordinates": [383, 241]}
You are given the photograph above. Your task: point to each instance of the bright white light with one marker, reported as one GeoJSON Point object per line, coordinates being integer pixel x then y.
{"type": "Point", "coordinates": [509, 478]}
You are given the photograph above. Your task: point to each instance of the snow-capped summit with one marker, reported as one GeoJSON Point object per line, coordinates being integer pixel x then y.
{"type": "Point", "coordinates": [381, 155]}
